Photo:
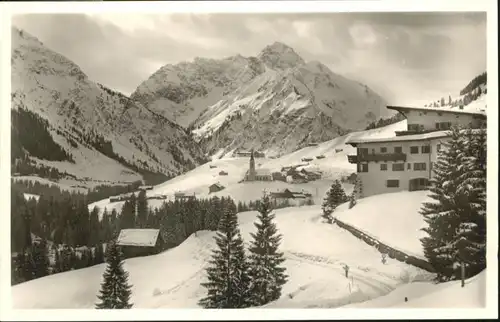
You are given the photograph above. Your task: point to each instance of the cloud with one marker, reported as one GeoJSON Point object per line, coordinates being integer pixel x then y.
{"type": "Point", "coordinates": [403, 56]}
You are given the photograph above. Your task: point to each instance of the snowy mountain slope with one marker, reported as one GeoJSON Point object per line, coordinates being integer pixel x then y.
{"type": "Point", "coordinates": [115, 138]}
{"type": "Point", "coordinates": [172, 279]}
{"type": "Point", "coordinates": [275, 101]}
{"type": "Point", "coordinates": [333, 166]}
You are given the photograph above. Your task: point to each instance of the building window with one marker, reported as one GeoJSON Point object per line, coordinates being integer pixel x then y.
{"type": "Point", "coordinates": [443, 125]}
{"type": "Point", "coordinates": [383, 149]}
{"type": "Point", "coordinates": [373, 151]}
{"type": "Point", "coordinates": [392, 183]}
{"type": "Point", "coordinates": [414, 149]}
{"type": "Point", "coordinates": [398, 167]}
{"type": "Point", "coordinates": [415, 127]}
{"type": "Point", "coordinates": [420, 166]}
{"type": "Point", "coordinates": [398, 149]}
{"type": "Point", "coordinates": [362, 151]}
{"type": "Point", "coordinates": [409, 166]}
{"type": "Point", "coordinates": [363, 167]}
{"type": "Point", "coordinates": [426, 149]}
{"type": "Point", "coordinates": [383, 167]}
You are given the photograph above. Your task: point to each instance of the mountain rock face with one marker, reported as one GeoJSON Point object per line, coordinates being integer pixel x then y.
{"type": "Point", "coordinates": [274, 102]}
{"type": "Point", "coordinates": [107, 136]}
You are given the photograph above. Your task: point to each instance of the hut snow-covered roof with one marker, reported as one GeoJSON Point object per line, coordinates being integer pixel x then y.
{"type": "Point", "coordinates": [138, 237]}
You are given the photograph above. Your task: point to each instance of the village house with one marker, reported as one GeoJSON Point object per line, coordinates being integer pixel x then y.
{"type": "Point", "coordinates": [291, 198]}
{"type": "Point", "coordinates": [404, 162]}
{"type": "Point", "coordinates": [140, 242]}
{"type": "Point", "coordinates": [215, 187]}
{"type": "Point", "coordinates": [223, 173]}
{"type": "Point", "coordinates": [183, 196]}
{"type": "Point", "coordinates": [144, 188]}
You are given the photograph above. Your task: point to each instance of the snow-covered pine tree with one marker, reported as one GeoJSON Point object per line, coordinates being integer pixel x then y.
{"type": "Point", "coordinates": [228, 281]}
{"type": "Point", "coordinates": [115, 290]}
{"type": "Point", "coordinates": [353, 196]}
{"type": "Point", "coordinates": [334, 197]}
{"type": "Point", "coordinates": [443, 214]}
{"type": "Point", "coordinates": [470, 242]}
{"type": "Point", "coordinates": [266, 273]}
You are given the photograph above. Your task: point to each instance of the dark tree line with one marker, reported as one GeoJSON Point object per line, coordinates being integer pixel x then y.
{"type": "Point", "coordinates": [25, 167]}
{"type": "Point", "coordinates": [474, 83]}
{"type": "Point", "coordinates": [30, 133]}
{"type": "Point", "coordinates": [385, 121]}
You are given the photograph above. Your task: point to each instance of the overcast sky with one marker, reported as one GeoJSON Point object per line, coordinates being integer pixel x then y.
{"type": "Point", "coordinates": [404, 57]}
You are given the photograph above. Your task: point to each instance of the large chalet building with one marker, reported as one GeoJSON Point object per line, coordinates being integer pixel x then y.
{"type": "Point", "coordinates": [404, 161]}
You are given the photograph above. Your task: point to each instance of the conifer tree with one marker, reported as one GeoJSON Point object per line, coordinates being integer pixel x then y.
{"type": "Point", "coordinates": [94, 227]}
{"type": "Point", "coordinates": [443, 215]}
{"type": "Point", "coordinates": [470, 241]}
{"type": "Point", "coordinates": [266, 273]}
{"type": "Point", "coordinates": [98, 254]}
{"type": "Point", "coordinates": [142, 210]}
{"type": "Point", "coordinates": [39, 259]}
{"type": "Point", "coordinates": [228, 280]}
{"type": "Point", "coordinates": [127, 217]}
{"type": "Point", "coordinates": [115, 291]}
{"type": "Point", "coordinates": [334, 197]}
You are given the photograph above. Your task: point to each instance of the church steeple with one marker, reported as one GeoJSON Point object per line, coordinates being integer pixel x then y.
{"type": "Point", "coordinates": [251, 171]}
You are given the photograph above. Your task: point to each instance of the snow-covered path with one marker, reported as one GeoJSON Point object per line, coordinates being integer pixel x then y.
{"type": "Point", "coordinates": [315, 254]}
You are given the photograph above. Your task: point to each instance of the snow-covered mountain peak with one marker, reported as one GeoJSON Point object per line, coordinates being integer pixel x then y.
{"type": "Point", "coordinates": [30, 52]}
{"type": "Point", "coordinates": [280, 56]}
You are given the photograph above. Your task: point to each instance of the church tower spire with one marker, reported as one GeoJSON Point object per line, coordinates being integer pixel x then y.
{"type": "Point", "coordinates": [251, 171]}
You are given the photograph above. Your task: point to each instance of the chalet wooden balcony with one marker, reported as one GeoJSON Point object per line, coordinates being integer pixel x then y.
{"type": "Point", "coordinates": [377, 157]}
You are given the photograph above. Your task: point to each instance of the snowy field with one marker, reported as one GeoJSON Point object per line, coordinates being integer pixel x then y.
{"type": "Point", "coordinates": [430, 295]}
{"type": "Point", "coordinates": [391, 218]}
{"type": "Point", "coordinates": [315, 254]}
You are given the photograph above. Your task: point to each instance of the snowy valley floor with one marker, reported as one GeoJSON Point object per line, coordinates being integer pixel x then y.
{"type": "Point", "coordinates": [315, 253]}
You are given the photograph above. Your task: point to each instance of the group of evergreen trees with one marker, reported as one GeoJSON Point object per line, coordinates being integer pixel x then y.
{"type": "Point", "coordinates": [385, 121]}
{"type": "Point", "coordinates": [238, 280]}
{"type": "Point", "coordinates": [456, 218]}
{"type": "Point", "coordinates": [30, 132]}
{"type": "Point", "coordinates": [334, 197]}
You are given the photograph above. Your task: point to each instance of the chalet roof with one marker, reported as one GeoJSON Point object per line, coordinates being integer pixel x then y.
{"type": "Point", "coordinates": [403, 138]}
{"type": "Point", "coordinates": [138, 237]}
{"type": "Point", "coordinates": [290, 194]}
{"type": "Point", "coordinates": [218, 185]}
{"type": "Point", "coordinates": [474, 108]}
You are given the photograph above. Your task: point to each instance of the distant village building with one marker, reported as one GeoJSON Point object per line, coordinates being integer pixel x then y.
{"type": "Point", "coordinates": [223, 173]}
{"type": "Point", "coordinates": [320, 156]}
{"type": "Point", "coordinates": [213, 166]}
{"type": "Point", "coordinates": [405, 162]}
{"type": "Point", "coordinates": [296, 177]}
{"type": "Point", "coordinates": [215, 187]}
{"type": "Point", "coordinates": [307, 159]}
{"type": "Point", "coordinates": [140, 242]}
{"type": "Point", "coordinates": [278, 176]}
{"type": "Point", "coordinates": [291, 198]}
{"type": "Point", "coordinates": [183, 196]}
{"type": "Point", "coordinates": [246, 154]}
{"type": "Point", "coordinates": [257, 174]}
{"type": "Point", "coordinates": [146, 188]}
